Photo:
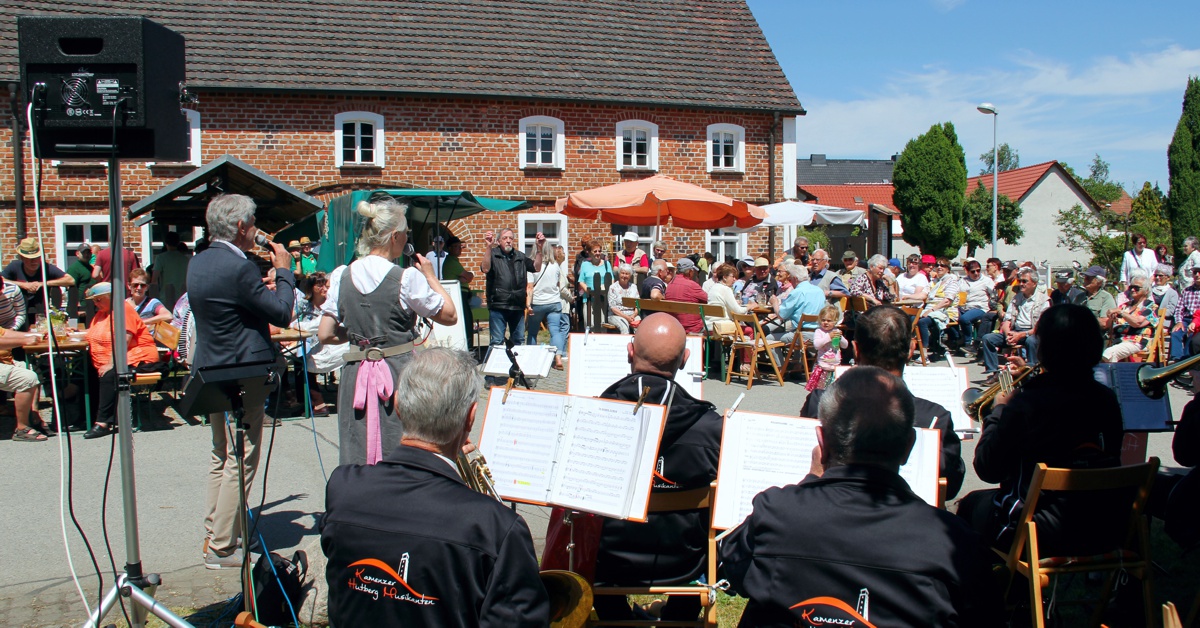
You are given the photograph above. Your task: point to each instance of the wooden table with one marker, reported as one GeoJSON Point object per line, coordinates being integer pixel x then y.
{"type": "Point", "coordinates": [290, 335]}
{"type": "Point", "coordinates": [77, 353]}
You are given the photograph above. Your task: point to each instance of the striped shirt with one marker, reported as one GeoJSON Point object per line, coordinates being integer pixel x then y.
{"type": "Point", "coordinates": [12, 307]}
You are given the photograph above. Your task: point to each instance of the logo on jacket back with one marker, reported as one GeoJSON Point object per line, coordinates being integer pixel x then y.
{"type": "Point", "coordinates": [376, 579]}
{"type": "Point", "coordinates": [830, 611]}
{"type": "Point", "coordinates": [658, 475]}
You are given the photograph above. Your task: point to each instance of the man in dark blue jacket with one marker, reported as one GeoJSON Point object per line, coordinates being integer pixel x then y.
{"type": "Point", "coordinates": [409, 544]}
{"type": "Point", "coordinates": [233, 309]}
{"type": "Point", "coordinates": [851, 544]}
{"type": "Point", "coordinates": [671, 547]}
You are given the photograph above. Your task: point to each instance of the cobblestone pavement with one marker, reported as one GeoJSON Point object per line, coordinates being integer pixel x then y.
{"type": "Point", "coordinates": [171, 460]}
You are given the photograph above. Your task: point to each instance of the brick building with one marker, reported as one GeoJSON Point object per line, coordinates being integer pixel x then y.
{"type": "Point", "coordinates": [506, 99]}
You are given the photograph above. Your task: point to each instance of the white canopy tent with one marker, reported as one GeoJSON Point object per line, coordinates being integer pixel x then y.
{"type": "Point", "coordinates": [798, 214]}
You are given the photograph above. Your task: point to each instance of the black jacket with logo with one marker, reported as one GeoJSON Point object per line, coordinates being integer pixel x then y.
{"type": "Point", "coordinates": [670, 547]}
{"type": "Point", "coordinates": [409, 544]}
{"type": "Point", "coordinates": [856, 547]}
{"type": "Point", "coordinates": [928, 415]}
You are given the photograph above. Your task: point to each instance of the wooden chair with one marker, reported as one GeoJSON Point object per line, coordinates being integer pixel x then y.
{"type": "Point", "coordinates": [856, 304]}
{"type": "Point", "coordinates": [915, 314]}
{"type": "Point", "coordinates": [800, 344]}
{"type": "Point", "coordinates": [668, 502]}
{"type": "Point", "coordinates": [1133, 556]}
{"type": "Point", "coordinates": [757, 345]}
{"type": "Point", "coordinates": [1156, 349]}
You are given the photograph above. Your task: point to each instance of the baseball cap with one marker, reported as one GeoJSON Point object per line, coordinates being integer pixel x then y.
{"type": "Point", "coordinates": [849, 254]}
{"type": "Point", "coordinates": [761, 261]}
{"type": "Point", "coordinates": [97, 290]}
{"type": "Point", "coordinates": [895, 262]}
{"type": "Point", "coordinates": [1095, 271]}
{"type": "Point", "coordinates": [685, 264]}
{"type": "Point", "coordinates": [1009, 265]}
{"type": "Point", "coordinates": [631, 236]}
{"type": "Point", "coordinates": [1064, 276]}
{"type": "Point", "coordinates": [928, 259]}
{"type": "Point", "coordinates": [437, 239]}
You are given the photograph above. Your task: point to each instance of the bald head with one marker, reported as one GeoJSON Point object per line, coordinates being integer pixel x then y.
{"type": "Point", "coordinates": [658, 346]}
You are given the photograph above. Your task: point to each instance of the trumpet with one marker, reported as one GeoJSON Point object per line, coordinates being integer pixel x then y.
{"type": "Point", "coordinates": [476, 474]}
{"type": "Point", "coordinates": [977, 402]}
{"type": "Point", "coordinates": [1153, 380]}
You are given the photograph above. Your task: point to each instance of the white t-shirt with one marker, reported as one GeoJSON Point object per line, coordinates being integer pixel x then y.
{"type": "Point", "coordinates": [545, 285]}
{"type": "Point", "coordinates": [437, 261]}
{"type": "Point", "coordinates": [910, 285]}
{"type": "Point", "coordinates": [367, 273]}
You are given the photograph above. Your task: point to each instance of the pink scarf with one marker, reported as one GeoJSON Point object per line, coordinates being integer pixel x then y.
{"type": "Point", "coordinates": [374, 377]}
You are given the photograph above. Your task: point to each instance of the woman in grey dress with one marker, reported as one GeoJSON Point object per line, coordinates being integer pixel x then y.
{"type": "Point", "coordinates": [373, 304]}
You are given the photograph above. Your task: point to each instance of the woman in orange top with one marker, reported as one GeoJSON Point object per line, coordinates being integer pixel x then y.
{"type": "Point", "coordinates": [142, 354]}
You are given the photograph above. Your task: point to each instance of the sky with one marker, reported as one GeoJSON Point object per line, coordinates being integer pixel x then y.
{"type": "Point", "coordinates": [1069, 79]}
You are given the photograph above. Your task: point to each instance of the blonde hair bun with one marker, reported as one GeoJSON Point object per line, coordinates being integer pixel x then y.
{"type": "Point", "coordinates": [367, 210]}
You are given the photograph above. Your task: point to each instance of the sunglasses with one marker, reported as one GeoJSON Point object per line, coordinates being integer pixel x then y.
{"type": "Point", "coordinates": [137, 285]}
{"type": "Point", "coordinates": [941, 266]}
{"type": "Point", "coordinates": [972, 270]}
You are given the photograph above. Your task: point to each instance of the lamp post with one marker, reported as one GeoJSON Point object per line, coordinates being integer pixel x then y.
{"type": "Point", "coordinates": [990, 109]}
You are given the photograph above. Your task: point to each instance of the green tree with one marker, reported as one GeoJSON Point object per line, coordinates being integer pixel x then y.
{"type": "Point", "coordinates": [930, 186]}
{"type": "Point", "coordinates": [1149, 215]}
{"type": "Point", "coordinates": [1090, 232]}
{"type": "Point", "coordinates": [1183, 170]}
{"type": "Point", "coordinates": [1097, 184]}
{"type": "Point", "coordinates": [977, 219]}
{"type": "Point", "coordinates": [1009, 159]}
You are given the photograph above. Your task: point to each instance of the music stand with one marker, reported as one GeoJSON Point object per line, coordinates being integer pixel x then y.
{"type": "Point", "coordinates": [219, 389]}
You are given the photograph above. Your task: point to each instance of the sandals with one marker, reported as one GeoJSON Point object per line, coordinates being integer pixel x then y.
{"type": "Point", "coordinates": [28, 435]}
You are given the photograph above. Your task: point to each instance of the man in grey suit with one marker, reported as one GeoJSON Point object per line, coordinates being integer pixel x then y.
{"type": "Point", "coordinates": [232, 308]}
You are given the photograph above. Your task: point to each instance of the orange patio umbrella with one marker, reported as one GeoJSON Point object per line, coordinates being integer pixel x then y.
{"type": "Point", "coordinates": [657, 200]}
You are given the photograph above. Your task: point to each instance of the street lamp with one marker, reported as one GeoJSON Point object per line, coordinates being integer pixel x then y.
{"type": "Point", "coordinates": [990, 109]}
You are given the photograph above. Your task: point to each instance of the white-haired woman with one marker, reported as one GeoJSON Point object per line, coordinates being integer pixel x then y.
{"type": "Point", "coordinates": [543, 302]}
{"type": "Point", "coordinates": [625, 318]}
{"type": "Point", "coordinates": [374, 305]}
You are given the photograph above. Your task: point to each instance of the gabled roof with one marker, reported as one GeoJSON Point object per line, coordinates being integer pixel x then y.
{"type": "Point", "coordinates": [693, 53]}
{"type": "Point", "coordinates": [1122, 205]}
{"type": "Point", "coordinates": [852, 195]}
{"type": "Point", "coordinates": [817, 170]}
{"type": "Point", "coordinates": [1017, 183]}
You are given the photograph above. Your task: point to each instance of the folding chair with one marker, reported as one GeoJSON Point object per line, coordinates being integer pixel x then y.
{"type": "Point", "coordinates": [1156, 349]}
{"type": "Point", "coordinates": [801, 345]}
{"type": "Point", "coordinates": [759, 344]}
{"type": "Point", "coordinates": [668, 502]}
{"type": "Point", "coordinates": [1132, 556]}
{"type": "Point", "coordinates": [914, 313]}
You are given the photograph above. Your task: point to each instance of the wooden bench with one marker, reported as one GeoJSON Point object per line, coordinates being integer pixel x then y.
{"type": "Point", "coordinates": [703, 310]}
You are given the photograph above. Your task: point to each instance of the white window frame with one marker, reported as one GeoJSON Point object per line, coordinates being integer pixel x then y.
{"type": "Point", "coordinates": [150, 246]}
{"type": "Point", "coordinates": [346, 117]}
{"type": "Point", "coordinates": [63, 257]}
{"type": "Point", "coordinates": [651, 130]}
{"type": "Point", "coordinates": [194, 143]}
{"type": "Point", "coordinates": [740, 238]}
{"type": "Point", "coordinates": [523, 219]}
{"type": "Point", "coordinates": [559, 153]}
{"type": "Point", "coordinates": [739, 141]}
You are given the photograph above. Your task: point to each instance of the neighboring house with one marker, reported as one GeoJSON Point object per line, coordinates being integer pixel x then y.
{"type": "Point", "coordinates": [819, 170]}
{"type": "Point", "coordinates": [507, 99]}
{"type": "Point", "coordinates": [873, 198]}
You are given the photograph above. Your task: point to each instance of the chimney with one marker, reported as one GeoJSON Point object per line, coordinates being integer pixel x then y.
{"type": "Point", "coordinates": [817, 160]}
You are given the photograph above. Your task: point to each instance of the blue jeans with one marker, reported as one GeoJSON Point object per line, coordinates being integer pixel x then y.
{"type": "Point", "coordinates": [1184, 345]}
{"type": "Point", "coordinates": [514, 320]}
{"type": "Point", "coordinates": [994, 341]}
{"type": "Point", "coordinates": [552, 314]}
{"type": "Point", "coordinates": [966, 323]}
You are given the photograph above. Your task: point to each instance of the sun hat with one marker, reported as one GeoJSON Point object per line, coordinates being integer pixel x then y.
{"type": "Point", "coordinates": [30, 248]}
{"type": "Point", "coordinates": [101, 289]}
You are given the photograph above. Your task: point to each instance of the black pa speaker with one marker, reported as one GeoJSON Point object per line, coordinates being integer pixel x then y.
{"type": "Point", "coordinates": [76, 70]}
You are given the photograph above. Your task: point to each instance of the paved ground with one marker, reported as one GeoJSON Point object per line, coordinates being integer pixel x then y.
{"type": "Point", "coordinates": [171, 464]}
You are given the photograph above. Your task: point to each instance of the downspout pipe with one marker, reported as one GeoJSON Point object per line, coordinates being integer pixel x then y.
{"type": "Point", "coordinates": [771, 180]}
{"type": "Point", "coordinates": [18, 143]}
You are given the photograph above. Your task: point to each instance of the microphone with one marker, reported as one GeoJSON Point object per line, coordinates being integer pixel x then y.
{"type": "Point", "coordinates": [262, 240]}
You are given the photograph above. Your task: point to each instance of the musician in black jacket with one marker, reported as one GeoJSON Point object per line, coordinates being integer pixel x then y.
{"type": "Point", "coordinates": [409, 544]}
{"type": "Point", "coordinates": [1064, 418]}
{"type": "Point", "coordinates": [670, 548]}
{"type": "Point", "coordinates": [851, 544]}
{"type": "Point", "coordinates": [881, 338]}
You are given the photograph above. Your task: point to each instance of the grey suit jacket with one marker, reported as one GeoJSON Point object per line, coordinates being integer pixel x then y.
{"type": "Point", "coordinates": [232, 307]}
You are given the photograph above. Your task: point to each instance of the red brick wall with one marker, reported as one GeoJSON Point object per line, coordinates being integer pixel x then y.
{"type": "Point", "coordinates": [430, 142]}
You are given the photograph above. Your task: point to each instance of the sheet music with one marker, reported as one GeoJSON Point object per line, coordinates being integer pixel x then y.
{"type": "Point", "coordinates": [1139, 413]}
{"type": "Point", "coordinates": [598, 460]}
{"type": "Point", "coordinates": [520, 439]}
{"type": "Point", "coordinates": [603, 359]}
{"type": "Point", "coordinates": [454, 336]}
{"type": "Point", "coordinates": [942, 385]}
{"type": "Point", "coordinates": [534, 360]}
{"type": "Point", "coordinates": [759, 451]}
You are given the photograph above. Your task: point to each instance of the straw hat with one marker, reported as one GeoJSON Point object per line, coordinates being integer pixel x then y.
{"type": "Point", "coordinates": [30, 247]}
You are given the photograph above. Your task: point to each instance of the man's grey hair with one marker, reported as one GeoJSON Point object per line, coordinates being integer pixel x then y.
{"type": "Point", "coordinates": [658, 244]}
{"type": "Point", "coordinates": [1192, 242]}
{"type": "Point", "coordinates": [435, 392]}
{"type": "Point", "coordinates": [223, 215]}
{"type": "Point", "coordinates": [877, 260]}
{"type": "Point", "coordinates": [796, 271]}
{"type": "Point", "coordinates": [867, 416]}
{"type": "Point", "coordinates": [800, 240]}
{"type": "Point", "coordinates": [823, 252]}
{"type": "Point", "coordinates": [659, 264]}
{"type": "Point", "coordinates": [625, 268]}
{"type": "Point", "coordinates": [384, 216]}
{"type": "Point", "coordinates": [1026, 271]}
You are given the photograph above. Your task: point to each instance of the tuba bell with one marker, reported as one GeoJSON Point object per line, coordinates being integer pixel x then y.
{"type": "Point", "coordinates": [1153, 380]}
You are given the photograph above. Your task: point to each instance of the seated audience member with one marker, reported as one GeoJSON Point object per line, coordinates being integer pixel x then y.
{"type": "Point", "coordinates": [881, 339]}
{"type": "Point", "coordinates": [596, 271]}
{"type": "Point", "coordinates": [1065, 290]}
{"type": "Point", "coordinates": [828, 281]}
{"type": "Point", "coordinates": [1018, 326]}
{"type": "Point", "coordinates": [683, 288]}
{"type": "Point", "coordinates": [1096, 298]}
{"type": "Point", "coordinates": [871, 285]}
{"type": "Point", "coordinates": [981, 291]}
{"type": "Point", "coordinates": [625, 318]}
{"type": "Point", "coordinates": [914, 284]}
{"type": "Point", "coordinates": [655, 286]}
{"type": "Point", "coordinates": [850, 269]}
{"type": "Point", "coordinates": [1184, 340]}
{"type": "Point", "coordinates": [1163, 293]}
{"type": "Point", "coordinates": [941, 309]}
{"type": "Point", "coordinates": [148, 308]}
{"type": "Point", "coordinates": [804, 298]}
{"type": "Point", "coordinates": [851, 542]}
{"type": "Point", "coordinates": [1133, 323]}
{"type": "Point", "coordinates": [24, 386]}
{"type": "Point", "coordinates": [435, 552]}
{"type": "Point", "coordinates": [1063, 418]}
{"type": "Point", "coordinates": [670, 548]}
{"type": "Point", "coordinates": [141, 353]}
{"type": "Point", "coordinates": [630, 254]}
{"type": "Point", "coordinates": [721, 293]}
{"type": "Point", "coordinates": [760, 282]}
{"type": "Point", "coordinates": [12, 306]}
